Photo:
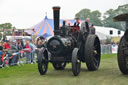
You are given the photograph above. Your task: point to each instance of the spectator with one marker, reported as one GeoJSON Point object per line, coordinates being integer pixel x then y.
{"type": "Point", "coordinates": [4, 38]}
{"type": "Point", "coordinates": [6, 46]}
{"type": "Point", "coordinates": [20, 47]}
{"type": "Point", "coordinates": [1, 51]}
{"type": "Point", "coordinates": [22, 44]}
{"type": "Point", "coordinates": [1, 48]}
{"type": "Point", "coordinates": [33, 48]}
{"type": "Point", "coordinates": [28, 52]}
{"type": "Point", "coordinates": [40, 43]}
{"type": "Point", "coordinates": [13, 49]}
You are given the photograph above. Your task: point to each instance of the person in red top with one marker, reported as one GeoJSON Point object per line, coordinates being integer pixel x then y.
{"type": "Point", "coordinates": [6, 46]}
{"type": "Point", "coordinates": [28, 52]}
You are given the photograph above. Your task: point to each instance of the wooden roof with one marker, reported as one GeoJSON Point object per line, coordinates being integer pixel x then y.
{"type": "Point", "coordinates": [121, 17]}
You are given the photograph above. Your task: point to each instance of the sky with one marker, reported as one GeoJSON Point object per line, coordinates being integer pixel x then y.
{"type": "Point", "coordinates": [27, 13]}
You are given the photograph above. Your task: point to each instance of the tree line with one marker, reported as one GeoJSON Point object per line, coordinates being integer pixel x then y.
{"type": "Point", "coordinates": [106, 19]}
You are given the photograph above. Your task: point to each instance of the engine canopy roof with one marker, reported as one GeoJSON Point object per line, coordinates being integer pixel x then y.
{"type": "Point", "coordinates": [121, 17]}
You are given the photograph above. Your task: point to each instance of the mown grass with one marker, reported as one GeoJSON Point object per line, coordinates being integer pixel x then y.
{"type": "Point", "coordinates": [108, 74]}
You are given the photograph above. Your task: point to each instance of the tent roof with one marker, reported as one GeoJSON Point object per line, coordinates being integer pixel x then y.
{"type": "Point", "coordinates": [45, 26]}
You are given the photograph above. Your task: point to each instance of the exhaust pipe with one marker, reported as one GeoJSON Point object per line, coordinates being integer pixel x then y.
{"type": "Point", "coordinates": [56, 14]}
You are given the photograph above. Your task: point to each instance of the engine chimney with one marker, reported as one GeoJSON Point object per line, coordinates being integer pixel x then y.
{"type": "Point", "coordinates": [56, 14]}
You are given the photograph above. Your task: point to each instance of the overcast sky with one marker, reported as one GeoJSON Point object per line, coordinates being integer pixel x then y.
{"type": "Point", "coordinates": [26, 13]}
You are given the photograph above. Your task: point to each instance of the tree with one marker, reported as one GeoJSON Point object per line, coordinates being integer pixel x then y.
{"type": "Point", "coordinates": [7, 26]}
{"type": "Point", "coordinates": [111, 13]}
{"type": "Point", "coordinates": [95, 16]}
{"type": "Point", "coordinates": [108, 40]}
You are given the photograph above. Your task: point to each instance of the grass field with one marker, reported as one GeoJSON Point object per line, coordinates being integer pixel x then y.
{"type": "Point", "coordinates": [108, 74]}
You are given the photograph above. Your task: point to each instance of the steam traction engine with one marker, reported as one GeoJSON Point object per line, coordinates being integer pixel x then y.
{"type": "Point", "coordinates": [69, 45]}
{"type": "Point", "coordinates": [123, 46]}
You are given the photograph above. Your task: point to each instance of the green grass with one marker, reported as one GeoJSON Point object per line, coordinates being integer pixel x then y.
{"type": "Point", "coordinates": [108, 74]}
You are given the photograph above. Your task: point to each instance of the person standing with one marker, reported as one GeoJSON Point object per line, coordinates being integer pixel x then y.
{"type": "Point", "coordinates": [1, 51]}
{"type": "Point", "coordinates": [85, 26]}
{"type": "Point", "coordinates": [20, 48]}
{"type": "Point", "coordinates": [33, 48]}
{"type": "Point", "coordinates": [6, 46]}
{"type": "Point", "coordinates": [4, 38]}
{"type": "Point", "coordinates": [13, 49]}
{"type": "Point", "coordinates": [77, 23]}
{"type": "Point", "coordinates": [1, 48]}
{"type": "Point", "coordinates": [28, 52]}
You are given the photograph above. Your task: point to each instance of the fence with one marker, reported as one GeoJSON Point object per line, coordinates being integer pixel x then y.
{"type": "Point", "coordinates": [109, 49]}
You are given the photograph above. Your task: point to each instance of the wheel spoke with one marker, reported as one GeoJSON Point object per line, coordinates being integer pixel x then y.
{"type": "Point", "coordinates": [126, 60]}
{"type": "Point", "coordinates": [95, 60]}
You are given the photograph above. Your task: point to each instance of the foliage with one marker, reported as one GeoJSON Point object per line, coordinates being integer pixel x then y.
{"type": "Point", "coordinates": [6, 26]}
{"type": "Point", "coordinates": [93, 15]}
{"type": "Point", "coordinates": [0, 35]}
{"type": "Point", "coordinates": [107, 19]}
{"type": "Point", "coordinates": [108, 40]}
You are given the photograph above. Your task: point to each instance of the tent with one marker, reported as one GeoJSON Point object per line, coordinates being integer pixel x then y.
{"type": "Point", "coordinates": [46, 26]}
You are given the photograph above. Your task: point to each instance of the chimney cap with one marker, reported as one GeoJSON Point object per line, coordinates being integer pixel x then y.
{"type": "Point", "coordinates": [56, 8]}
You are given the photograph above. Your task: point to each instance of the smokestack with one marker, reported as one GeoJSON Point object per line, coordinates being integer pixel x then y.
{"type": "Point", "coordinates": [56, 14]}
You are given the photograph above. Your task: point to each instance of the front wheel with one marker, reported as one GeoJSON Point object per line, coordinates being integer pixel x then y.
{"type": "Point", "coordinates": [76, 63]}
{"type": "Point", "coordinates": [42, 62]}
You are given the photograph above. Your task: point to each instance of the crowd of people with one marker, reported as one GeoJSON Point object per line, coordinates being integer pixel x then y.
{"type": "Point", "coordinates": [12, 51]}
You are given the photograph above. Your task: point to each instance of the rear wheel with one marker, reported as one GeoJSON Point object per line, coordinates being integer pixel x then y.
{"type": "Point", "coordinates": [123, 56]}
{"type": "Point", "coordinates": [76, 64]}
{"type": "Point", "coordinates": [42, 62]}
{"type": "Point", "coordinates": [59, 66]}
{"type": "Point", "coordinates": [92, 52]}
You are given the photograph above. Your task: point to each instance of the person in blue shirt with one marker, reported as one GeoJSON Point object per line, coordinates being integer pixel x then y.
{"type": "Point", "coordinates": [33, 47]}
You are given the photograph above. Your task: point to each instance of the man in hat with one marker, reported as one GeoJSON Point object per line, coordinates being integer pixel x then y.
{"type": "Point", "coordinates": [77, 23]}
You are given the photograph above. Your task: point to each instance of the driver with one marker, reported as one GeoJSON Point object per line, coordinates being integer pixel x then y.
{"type": "Point", "coordinates": [77, 23]}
